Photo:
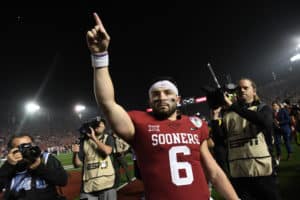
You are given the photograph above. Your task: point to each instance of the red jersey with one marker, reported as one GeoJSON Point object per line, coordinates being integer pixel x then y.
{"type": "Point", "coordinates": [168, 154]}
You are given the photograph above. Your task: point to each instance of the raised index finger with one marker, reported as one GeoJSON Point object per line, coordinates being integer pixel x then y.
{"type": "Point", "coordinates": [98, 21]}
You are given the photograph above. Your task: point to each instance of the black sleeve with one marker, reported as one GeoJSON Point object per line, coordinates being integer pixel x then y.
{"type": "Point", "coordinates": [110, 141]}
{"type": "Point", "coordinates": [263, 118]}
{"type": "Point", "coordinates": [7, 171]}
{"type": "Point", "coordinates": [81, 151]}
{"type": "Point", "coordinates": [53, 172]}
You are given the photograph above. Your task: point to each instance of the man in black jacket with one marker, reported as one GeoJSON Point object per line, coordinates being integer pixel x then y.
{"type": "Point", "coordinates": [247, 128]}
{"type": "Point", "coordinates": [29, 174]}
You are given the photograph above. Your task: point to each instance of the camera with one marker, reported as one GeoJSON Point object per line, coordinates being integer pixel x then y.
{"type": "Point", "coordinates": [231, 91]}
{"type": "Point", "coordinates": [29, 152]}
{"type": "Point", "coordinates": [215, 96]}
{"type": "Point", "coordinates": [85, 127]}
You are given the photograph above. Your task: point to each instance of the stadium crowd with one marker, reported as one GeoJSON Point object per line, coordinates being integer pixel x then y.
{"type": "Point", "coordinates": [54, 142]}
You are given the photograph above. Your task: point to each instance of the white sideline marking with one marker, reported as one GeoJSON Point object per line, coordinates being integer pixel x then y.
{"type": "Point", "coordinates": [68, 167]}
{"type": "Point", "coordinates": [121, 186]}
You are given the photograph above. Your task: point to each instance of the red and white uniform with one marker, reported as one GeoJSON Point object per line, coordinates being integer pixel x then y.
{"type": "Point", "coordinates": [168, 154]}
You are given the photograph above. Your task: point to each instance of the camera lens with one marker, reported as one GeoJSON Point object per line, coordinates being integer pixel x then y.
{"type": "Point", "coordinates": [30, 153]}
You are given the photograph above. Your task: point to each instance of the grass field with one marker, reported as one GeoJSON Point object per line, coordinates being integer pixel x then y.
{"type": "Point", "coordinates": [65, 159]}
{"type": "Point", "coordinates": [288, 175]}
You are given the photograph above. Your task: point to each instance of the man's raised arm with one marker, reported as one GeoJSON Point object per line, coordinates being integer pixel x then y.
{"type": "Point", "coordinates": [98, 42]}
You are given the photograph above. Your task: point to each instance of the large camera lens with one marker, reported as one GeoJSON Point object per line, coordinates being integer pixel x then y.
{"type": "Point", "coordinates": [85, 128]}
{"type": "Point", "coordinates": [30, 153]}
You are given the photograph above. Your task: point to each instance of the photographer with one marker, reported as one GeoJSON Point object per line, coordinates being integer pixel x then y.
{"type": "Point", "coordinates": [94, 155]}
{"type": "Point", "coordinates": [29, 174]}
{"type": "Point", "coordinates": [247, 127]}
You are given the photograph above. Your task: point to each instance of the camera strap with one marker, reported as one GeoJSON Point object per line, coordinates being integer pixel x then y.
{"type": "Point", "coordinates": [45, 156]}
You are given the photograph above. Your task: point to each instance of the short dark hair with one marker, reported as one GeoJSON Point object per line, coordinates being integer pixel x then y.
{"type": "Point", "coordinates": [14, 136]}
{"type": "Point", "coordinates": [103, 120]}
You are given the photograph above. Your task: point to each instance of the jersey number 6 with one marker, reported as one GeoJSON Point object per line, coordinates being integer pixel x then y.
{"type": "Point", "coordinates": [176, 166]}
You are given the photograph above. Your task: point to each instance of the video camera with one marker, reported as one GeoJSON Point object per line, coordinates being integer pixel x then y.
{"type": "Point", "coordinates": [29, 152]}
{"type": "Point", "coordinates": [215, 96]}
{"type": "Point", "coordinates": [85, 127]}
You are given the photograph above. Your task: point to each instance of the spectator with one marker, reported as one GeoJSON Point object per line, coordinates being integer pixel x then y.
{"type": "Point", "coordinates": [29, 175]}
{"type": "Point", "coordinates": [282, 128]}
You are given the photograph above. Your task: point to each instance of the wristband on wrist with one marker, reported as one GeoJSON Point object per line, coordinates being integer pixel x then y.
{"type": "Point", "coordinates": [100, 60]}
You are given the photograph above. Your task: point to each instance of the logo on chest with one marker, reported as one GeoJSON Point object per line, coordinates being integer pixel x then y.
{"type": "Point", "coordinates": [196, 122]}
{"type": "Point", "coordinates": [153, 128]}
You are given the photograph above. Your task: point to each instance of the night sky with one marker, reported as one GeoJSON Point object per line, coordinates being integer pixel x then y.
{"type": "Point", "coordinates": [44, 54]}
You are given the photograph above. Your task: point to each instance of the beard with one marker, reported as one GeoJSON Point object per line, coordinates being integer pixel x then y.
{"type": "Point", "coordinates": [163, 113]}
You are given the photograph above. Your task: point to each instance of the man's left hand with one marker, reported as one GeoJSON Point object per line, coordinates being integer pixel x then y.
{"type": "Point", "coordinates": [92, 134]}
{"type": "Point", "coordinates": [227, 99]}
{"type": "Point", "coordinates": [35, 164]}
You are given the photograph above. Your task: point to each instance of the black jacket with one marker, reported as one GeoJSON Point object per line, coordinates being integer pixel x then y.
{"type": "Point", "coordinates": [263, 118]}
{"type": "Point", "coordinates": [52, 172]}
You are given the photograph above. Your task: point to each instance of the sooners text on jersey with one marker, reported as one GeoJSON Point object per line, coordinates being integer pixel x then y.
{"type": "Point", "coordinates": [168, 154]}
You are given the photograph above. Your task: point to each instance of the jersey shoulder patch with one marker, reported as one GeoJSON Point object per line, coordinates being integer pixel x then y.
{"type": "Point", "coordinates": [196, 121]}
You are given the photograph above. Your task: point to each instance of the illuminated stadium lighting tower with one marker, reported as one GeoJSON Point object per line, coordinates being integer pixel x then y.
{"type": "Point", "coordinates": [32, 107]}
{"type": "Point", "coordinates": [79, 108]}
{"type": "Point", "coordinates": [295, 58]}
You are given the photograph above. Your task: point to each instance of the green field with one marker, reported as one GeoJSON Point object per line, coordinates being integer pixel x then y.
{"type": "Point", "coordinates": [289, 175]}
{"type": "Point", "coordinates": [65, 159]}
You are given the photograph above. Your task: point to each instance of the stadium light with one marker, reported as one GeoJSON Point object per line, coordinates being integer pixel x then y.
{"type": "Point", "coordinates": [79, 108]}
{"type": "Point", "coordinates": [295, 57]}
{"type": "Point", "coordinates": [32, 107]}
{"type": "Point", "coordinates": [298, 47]}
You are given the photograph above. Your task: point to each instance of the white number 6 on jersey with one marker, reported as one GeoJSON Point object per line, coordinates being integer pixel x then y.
{"type": "Point", "coordinates": [176, 166]}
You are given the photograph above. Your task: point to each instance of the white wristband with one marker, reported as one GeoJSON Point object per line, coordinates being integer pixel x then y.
{"type": "Point", "coordinates": [100, 60]}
